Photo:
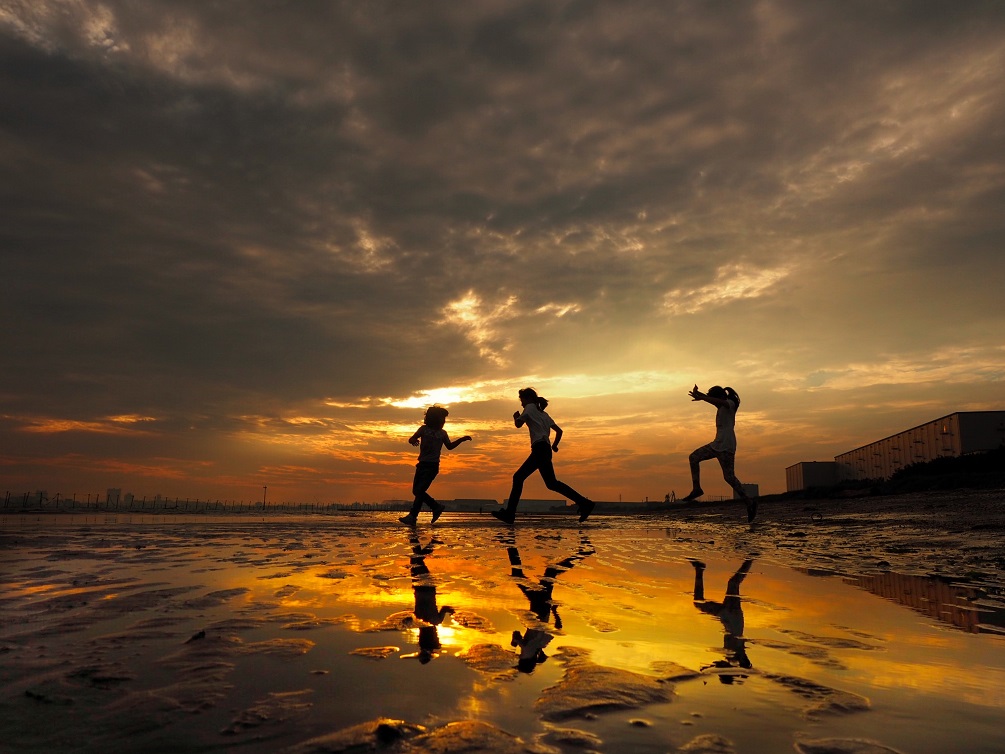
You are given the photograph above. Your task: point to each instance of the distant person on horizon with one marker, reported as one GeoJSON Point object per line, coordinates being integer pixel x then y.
{"type": "Point", "coordinates": [430, 439]}
{"type": "Point", "coordinates": [723, 447]}
{"type": "Point", "coordinates": [541, 449]}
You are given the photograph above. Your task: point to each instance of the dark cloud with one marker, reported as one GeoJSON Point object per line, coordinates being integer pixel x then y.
{"type": "Point", "coordinates": [219, 210]}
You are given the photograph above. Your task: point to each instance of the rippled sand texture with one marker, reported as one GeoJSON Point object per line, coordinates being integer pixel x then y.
{"type": "Point", "coordinates": [689, 632]}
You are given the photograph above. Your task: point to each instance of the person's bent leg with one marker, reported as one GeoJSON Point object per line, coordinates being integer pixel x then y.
{"type": "Point", "coordinates": [703, 453]}
{"type": "Point", "coordinates": [727, 462]}
{"type": "Point", "coordinates": [733, 585]}
{"type": "Point", "coordinates": [527, 468]}
{"type": "Point", "coordinates": [425, 473]}
{"type": "Point", "coordinates": [699, 581]}
{"type": "Point", "coordinates": [547, 469]}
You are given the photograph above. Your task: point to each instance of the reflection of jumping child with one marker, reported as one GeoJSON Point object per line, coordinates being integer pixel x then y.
{"type": "Point", "coordinates": [723, 447]}
{"type": "Point", "coordinates": [540, 426]}
{"type": "Point", "coordinates": [431, 438]}
{"type": "Point", "coordinates": [729, 612]}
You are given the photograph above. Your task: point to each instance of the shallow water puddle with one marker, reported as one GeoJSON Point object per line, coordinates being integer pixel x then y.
{"type": "Point", "coordinates": [184, 634]}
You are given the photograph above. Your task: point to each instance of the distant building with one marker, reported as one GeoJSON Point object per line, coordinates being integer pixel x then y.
{"type": "Point", "coordinates": [114, 493]}
{"type": "Point", "coordinates": [950, 436]}
{"type": "Point", "coordinates": [947, 437]}
{"type": "Point", "coordinates": [530, 505]}
{"type": "Point", "coordinates": [808, 474]}
{"type": "Point", "coordinates": [474, 504]}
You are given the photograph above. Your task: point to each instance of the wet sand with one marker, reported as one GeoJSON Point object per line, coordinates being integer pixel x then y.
{"type": "Point", "coordinates": [860, 625]}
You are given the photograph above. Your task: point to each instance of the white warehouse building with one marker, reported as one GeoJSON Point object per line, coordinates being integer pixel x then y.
{"type": "Point", "coordinates": [947, 437]}
{"type": "Point", "coordinates": [951, 436]}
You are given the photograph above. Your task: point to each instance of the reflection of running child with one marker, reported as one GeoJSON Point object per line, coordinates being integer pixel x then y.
{"type": "Point", "coordinates": [723, 447]}
{"type": "Point", "coordinates": [533, 640]}
{"type": "Point", "coordinates": [540, 597]}
{"type": "Point", "coordinates": [428, 616]}
{"type": "Point", "coordinates": [729, 612]}
{"type": "Point", "coordinates": [430, 438]}
{"type": "Point", "coordinates": [541, 449]}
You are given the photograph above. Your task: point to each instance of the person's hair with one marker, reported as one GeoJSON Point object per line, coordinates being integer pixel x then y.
{"type": "Point", "coordinates": [724, 392]}
{"type": "Point", "coordinates": [732, 395]}
{"type": "Point", "coordinates": [435, 417]}
{"type": "Point", "coordinates": [530, 395]}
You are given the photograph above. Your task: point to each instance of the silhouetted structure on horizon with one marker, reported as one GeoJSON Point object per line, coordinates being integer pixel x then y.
{"type": "Point", "coordinates": [950, 436]}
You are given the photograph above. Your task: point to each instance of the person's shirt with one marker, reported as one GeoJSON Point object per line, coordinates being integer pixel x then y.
{"type": "Point", "coordinates": [725, 421]}
{"type": "Point", "coordinates": [538, 423]}
{"type": "Point", "coordinates": [431, 442]}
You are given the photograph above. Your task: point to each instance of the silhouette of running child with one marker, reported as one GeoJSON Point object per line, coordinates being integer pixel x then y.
{"type": "Point", "coordinates": [723, 447]}
{"type": "Point", "coordinates": [540, 425]}
{"type": "Point", "coordinates": [430, 439]}
{"type": "Point", "coordinates": [730, 614]}
{"type": "Point", "coordinates": [533, 640]}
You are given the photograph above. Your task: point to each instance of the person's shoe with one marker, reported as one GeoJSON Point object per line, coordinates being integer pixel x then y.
{"type": "Point", "coordinates": [585, 509]}
{"type": "Point", "coordinates": [409, 519]}
{"type": "Point", "coordinates": [694, 494]}
{"type": "Point", "coordinates": [504, 516]}
{"type": "Point", "coordinates": [751, 509]}
{"type": "Point", "coordinates": [437, 511]}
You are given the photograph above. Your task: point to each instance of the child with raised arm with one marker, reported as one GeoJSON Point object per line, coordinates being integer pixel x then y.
{"type": "Point", "coordinates": [430, 439]}
{"type": "Point", "coordinates": [540, 426]}
{"type": "Point", "coordinates": [723, 447]}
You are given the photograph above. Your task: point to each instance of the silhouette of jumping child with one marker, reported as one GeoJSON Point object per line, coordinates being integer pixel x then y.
{"type": "Point", "coordinates": [430, 438]}
{"type": "Point", "coordinates": [723, 447]}
{"type": "Point", "coordinates": [428, 616]}
{"type": "Point", "coordinates": [730, 614]}
{"type": "Point", "coordinates": [533, 640]}
{"type": "Point", "coordinates": [540, 425]}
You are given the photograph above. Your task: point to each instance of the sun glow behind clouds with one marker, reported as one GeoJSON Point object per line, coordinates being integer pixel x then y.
{"type": "Point", "coordinates": [566, 386]}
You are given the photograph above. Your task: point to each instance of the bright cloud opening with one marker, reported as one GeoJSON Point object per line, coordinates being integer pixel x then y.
{"type": "Point", "coordinates": [731, 284]}
{"type": "Point", "coordinates": [479, 322]}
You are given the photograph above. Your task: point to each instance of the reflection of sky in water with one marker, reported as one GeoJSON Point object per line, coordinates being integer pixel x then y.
{"type": "Point", "coordinates": [426, 609]}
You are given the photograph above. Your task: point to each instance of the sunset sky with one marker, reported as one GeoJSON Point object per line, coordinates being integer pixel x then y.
{"type": "Point", "coordinates": [244, 244]}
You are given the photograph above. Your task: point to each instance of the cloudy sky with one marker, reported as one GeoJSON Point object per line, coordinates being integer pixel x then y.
{"type": "Point", "coordinates": [244, 244]}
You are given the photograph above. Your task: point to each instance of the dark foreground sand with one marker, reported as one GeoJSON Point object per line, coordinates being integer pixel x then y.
{"type": "Point", "coordinates": [860, 626]}
{"type": "Point", "coordinates": [957, 533]}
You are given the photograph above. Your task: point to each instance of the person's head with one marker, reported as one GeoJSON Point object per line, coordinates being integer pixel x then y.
{"type": "Point", "coordinates": [529, 395]}
{"type": "Point", "coordinates": [722, 393]}
{"type": "Point", "coordinates": [527, 664]}
{"type": "Point", "coordinates": [435, 417]}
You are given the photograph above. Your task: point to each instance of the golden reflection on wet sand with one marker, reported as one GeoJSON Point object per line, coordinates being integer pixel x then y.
{"type": "Point", "coordinates": [270, 633]}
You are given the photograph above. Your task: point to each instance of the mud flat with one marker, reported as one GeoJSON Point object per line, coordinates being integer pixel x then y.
{"type": "Point", "coordinates": [859, 625]}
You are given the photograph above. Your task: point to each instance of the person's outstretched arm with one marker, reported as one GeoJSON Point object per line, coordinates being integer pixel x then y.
{"type": "Point", "coordinates": [450, 445]}
{"type": "Point", "coordinates": [697, 395]}
{"type": "Point", "coordinates": [558, 437]}
{"type": "Point", "coordinates": [414, 439]}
